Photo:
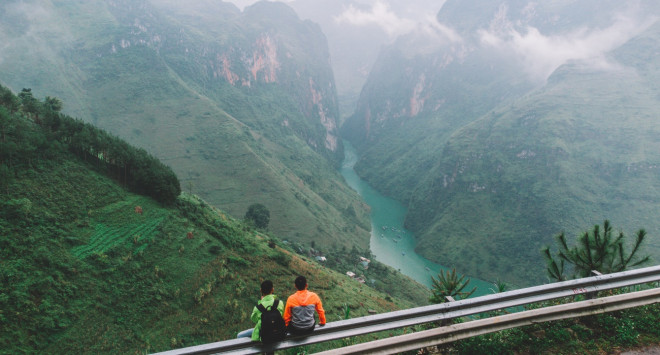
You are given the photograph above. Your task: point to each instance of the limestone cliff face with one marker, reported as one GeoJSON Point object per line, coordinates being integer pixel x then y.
{"type": "Point", "coordinates": [291, 54]}
{"type": "Point", "coordinates": [265, 46]}
{"type": "Point", "coordinates": [489, 158]}
{"type": "Point", "coordinates": [241, 104]}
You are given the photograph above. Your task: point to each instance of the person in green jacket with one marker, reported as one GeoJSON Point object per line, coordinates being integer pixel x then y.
{"type": "Point", "coordinates": [267, 299]}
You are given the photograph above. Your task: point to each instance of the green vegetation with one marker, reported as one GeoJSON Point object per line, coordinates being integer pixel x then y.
{"type": "Point", "coordinates": [599, 251]}
{"type": "Point", "coordinates": [100, 253]}
{"type": "Point", "coordinates": [374, 273]}
{"type": "Point", "coordinates": [234, 102]}
{"type": "Point", "coordinates": [595, 251]}
{"type": "Point", "coordinates": [597, 334]}
{"type": "Point", "coordinates": [448, 284]}
{"type": "Point", "coordinates": [28, 141]}
{"type": "Point", "coordinates": [258, 215]}
{"type": "Point", "coordinates": [489, 168]}
{"type": "Point", "coordinates": [606, 333]}
{"type": "Point", "coordinates": [88, 266]}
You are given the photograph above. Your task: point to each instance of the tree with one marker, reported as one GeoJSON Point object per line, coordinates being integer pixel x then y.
{"type": "Point", "coordinates": [449, 284]}
{"type": "Point", "coordinates": [500, 286]}
{"type": "Point", "coordinates": [258, 214]}
{"type": "Point", "coordinates": [6, 178]}
{"type": "Point", "coordinates": [5, 121]}
{"type": "Point", "coordinates": [598, 250]}
{"type": "Point", "coordinates": [29, 103]}
{"type": "Point", "coordinates": [53, 104]}
{"type": "Point", "coordinates": [9, 100]}
{"type": "Point", "coordinates": [51, 109]}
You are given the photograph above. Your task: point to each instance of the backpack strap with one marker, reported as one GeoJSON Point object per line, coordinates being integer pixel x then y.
{"type": "Point", "coordinates": [261, 308]}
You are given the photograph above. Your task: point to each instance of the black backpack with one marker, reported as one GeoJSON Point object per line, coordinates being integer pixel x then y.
{"type": "Point", "coordinates": [272, 324]}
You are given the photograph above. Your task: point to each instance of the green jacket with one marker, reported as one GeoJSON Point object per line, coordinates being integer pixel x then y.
{"type": "Point", "coordinates": [267, 301]}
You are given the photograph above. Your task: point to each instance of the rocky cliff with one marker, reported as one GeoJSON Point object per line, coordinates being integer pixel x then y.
{"type": "Point", "coordinates": [242, 105]}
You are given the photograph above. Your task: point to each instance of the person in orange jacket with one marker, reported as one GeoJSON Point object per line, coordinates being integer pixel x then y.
{"type": "Point", "coordinates": [300, 307]}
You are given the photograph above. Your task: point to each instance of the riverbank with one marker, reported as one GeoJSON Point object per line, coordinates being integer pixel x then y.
{"type": "Point", "coordinates": [390, 242]}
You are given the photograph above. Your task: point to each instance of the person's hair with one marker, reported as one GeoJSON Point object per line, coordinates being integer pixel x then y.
{"type": "Point", "coordinates": [301, 282]}
{"type": "Point", "coordinates": [266, 287]}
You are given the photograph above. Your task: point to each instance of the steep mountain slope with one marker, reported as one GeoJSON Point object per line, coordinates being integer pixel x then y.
{"type": "Point", "coordinates": [242, 105]}
{"type": "Point", "coordinates": [88, 267]}
{"type": "Point", "coordinates": [561, 159]}
{"type": "Point", "coordinates": [421, 89]}
{"type": "Point", "coordinates": [494, 163]}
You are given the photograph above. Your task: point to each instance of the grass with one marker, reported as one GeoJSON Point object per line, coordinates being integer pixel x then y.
{"type": "Point", "coordinates": [82, 272]}
{"type": "Point", "coordinates": [227, 143]}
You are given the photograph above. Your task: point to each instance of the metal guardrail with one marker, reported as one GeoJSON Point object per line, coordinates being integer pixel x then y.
{"type": "Point", "coordinates": [455, 332]}
{"type": "Point", "coordinates": [438, 312]}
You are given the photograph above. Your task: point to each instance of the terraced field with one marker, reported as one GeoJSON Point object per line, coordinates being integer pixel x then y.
{"type": "Point", "coordinates": [126, 222]}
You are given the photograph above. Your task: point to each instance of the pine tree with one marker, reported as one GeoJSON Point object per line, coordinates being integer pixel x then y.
{"type": "Point", "coordinates": [599, 250]}
{"type": "Point", "coordinates": [448, 284]}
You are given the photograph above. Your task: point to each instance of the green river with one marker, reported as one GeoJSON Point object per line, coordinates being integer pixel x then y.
{"type": "Point", "coordinates": [392, 244]}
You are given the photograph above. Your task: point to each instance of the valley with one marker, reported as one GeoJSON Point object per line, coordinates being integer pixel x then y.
{"type": "Point", "coordinates": [469, 139]}
{"type": "Point", "coordinates": [390, 242]}
{"type": "Point", "coordinates": [494, 156]}
{"type": "Point", "coordinates": [491, 155]}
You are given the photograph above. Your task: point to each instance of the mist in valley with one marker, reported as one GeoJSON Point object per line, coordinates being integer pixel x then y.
{"type": "Point", "coordinates": [477, 115]}
{"type": "Point", "coordinates": [372, 136]}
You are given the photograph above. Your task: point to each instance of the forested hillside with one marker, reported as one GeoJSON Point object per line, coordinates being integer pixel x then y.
{"type": "Point", "coordinates": [100, 254]}
{"type": "Point", "coordinates": [241, 105]}
{"type": "Point", "coordinates": [495, 151]}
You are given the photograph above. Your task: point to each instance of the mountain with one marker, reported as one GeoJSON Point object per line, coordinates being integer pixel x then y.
{"type": "Point", "coordinates": [357, 31]}
{"type": "Point", "coordinates": [241, 105]}
{"type": "Point", "coordinates": [92, 263]}
{"type": "Point", "coordinates": [494, 157]}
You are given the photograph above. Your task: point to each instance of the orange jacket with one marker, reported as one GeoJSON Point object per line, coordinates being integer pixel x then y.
{"type": "Point", "coordinates": [300, 306]}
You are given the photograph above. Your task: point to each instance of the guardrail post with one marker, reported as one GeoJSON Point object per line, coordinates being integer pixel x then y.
{"type": "Point", "coordinates": [446, 322]}
{"type": "Point", "coordinates": [592, 295]}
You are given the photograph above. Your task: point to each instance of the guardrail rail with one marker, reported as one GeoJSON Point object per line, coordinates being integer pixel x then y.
{"type": "Point", "coordinates": [589, 286]}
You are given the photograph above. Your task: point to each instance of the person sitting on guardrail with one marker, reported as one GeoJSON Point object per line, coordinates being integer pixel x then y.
{"type": "Point", "coordinates": [300, 307]}
{"type": "Point", "coordinates": [268, 299]}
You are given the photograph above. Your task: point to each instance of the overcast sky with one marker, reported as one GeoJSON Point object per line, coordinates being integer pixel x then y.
{"type": "Point", "coordinates": [541, 53]}
{"type": "Point", "coordinates": [392, 17]}
{"type": "Point", "coordinates": [538, 53]}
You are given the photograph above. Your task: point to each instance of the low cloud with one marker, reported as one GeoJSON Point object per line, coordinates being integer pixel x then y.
{"type": "Point", "coordinates": [242, 4]}
{"type": "Point", "coordinates": [38, 27]}
{"type": "Point", "coordinates": [380, 14]}
{"type": "Point", "coordinates": [541, 54]}
{"type": "Point", "coordinates": [413, 16]}
{"type": "Point", "coordinates": [434, 28]}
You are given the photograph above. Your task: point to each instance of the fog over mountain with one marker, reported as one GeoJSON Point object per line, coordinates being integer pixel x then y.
{"type": "Point", "coordinates": [474, 126]}
{"type": "Point", "coordinates": [434, 68]}
{"type": "Point", "coordinates": [357, 30]}
{"type": "Point", "coordinates": [541, 53]}
{"type": "Point", "coordinates": [441, 99]}
{"type": "Point", "coordinates": [241, 104]}
{"type": "Point", "coordinates": [496, 124]}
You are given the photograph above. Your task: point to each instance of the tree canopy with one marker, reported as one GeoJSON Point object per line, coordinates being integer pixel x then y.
{"type": "Point", "coordinates": [598, 250]}
{"type": "Point", "coordinates": [449, 284]}
{"type": "Point", "coordinates": [25, 139]}
{"type": "Point", "coordinates": [258, 214]}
